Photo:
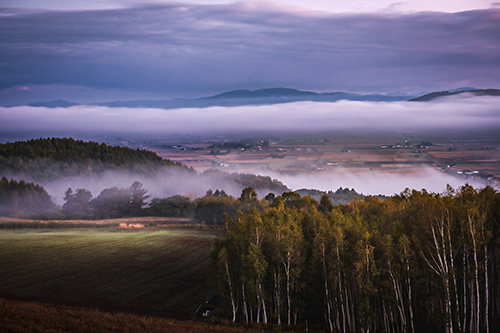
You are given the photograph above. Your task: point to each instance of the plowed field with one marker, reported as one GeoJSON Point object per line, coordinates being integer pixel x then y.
{"type": "Point", "coordinates": [144, 271]}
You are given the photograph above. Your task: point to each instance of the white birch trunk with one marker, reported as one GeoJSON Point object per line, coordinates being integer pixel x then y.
{"type": "Point", "coordinates": [287, 265]}
{"type": "Point", "coordinates": [327, 292]}
{"type": "Point", "coordinates": [440, 266]}
{"type": "Point", "coordinates": [486, 282]}
{"type": "Point", "coordinates": [408, 282]}
{"type": "Point", "coordinates": [476, 274]}
{"type": "Point", "coordinates": [233, 301]}
{"type": "Point", "coordinates": [245, 306]}
{"type": "Point", "coordinates": [277, 278]}
{"type": "Point", "coordinates": [452, 265]}
{"type": "Point", "coordinates": [341, 292]}
{"type": "Point", "coordinates": [399, 298]}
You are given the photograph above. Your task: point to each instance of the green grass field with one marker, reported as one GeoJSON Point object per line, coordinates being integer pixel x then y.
{"type": "Point", "coordinates": [144, 271]}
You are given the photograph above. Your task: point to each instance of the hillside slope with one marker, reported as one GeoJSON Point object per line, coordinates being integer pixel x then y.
{"type": "Point", "coordinates": [476, 92]}
{"type": "Point", "coordinates": [56, 158]}
{"type": "Point", "coordinates": [237, 98]}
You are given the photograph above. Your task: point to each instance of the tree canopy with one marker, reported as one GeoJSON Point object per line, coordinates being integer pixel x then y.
{"type": "Point", "coordinates": [53, 158]}
{"type": "Point", "coordinates": [414, 262]}
{"type": "Point", "coordinates": [25, 200]}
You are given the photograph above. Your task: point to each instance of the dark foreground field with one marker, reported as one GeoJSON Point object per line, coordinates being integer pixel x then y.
{"type": "Point", "coordinates": [148, 271]}
{"type": "Point", "coordinates": [28, 317]}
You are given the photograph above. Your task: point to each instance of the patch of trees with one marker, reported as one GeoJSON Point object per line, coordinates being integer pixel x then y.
{"type": "Point", "coordinates": [415, 262]}
{"type": "Point", "coordinates": [110, 203]}
{"type": "Point", "coordinates": [126, 202]}
{"type": "Point", "coordinates": [243, 144]}
{"type": "Point", "coordinates": [261, 184]}
{"type": "Point", "coordinates": [340, 196]}
{"type": "Point", "coordinates": [53, 158]}
{"type": "Point", "coordinates": [25, 200]}
{"type": "Point", "coordinates": [175, 206]}
{"type": "Point", "coordinates": [212, 206]}
{"type": "Point", "coordinates": [217, 152]}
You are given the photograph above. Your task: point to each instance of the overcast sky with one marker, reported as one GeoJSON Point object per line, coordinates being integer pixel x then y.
{"type": "Point", "coordinates": [93, 51]}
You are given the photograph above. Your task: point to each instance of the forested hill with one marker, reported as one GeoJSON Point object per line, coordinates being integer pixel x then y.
{"type": "Point", "coordinates": [476, 92]}
{"type": "Point", "coordinates": [54, 158]}
{"type": "Point", "coordinates": [23, 199]}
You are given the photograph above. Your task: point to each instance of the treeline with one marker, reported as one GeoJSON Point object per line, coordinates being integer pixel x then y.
{"type": "Point", "coordinates": [415, 262]}
{"type": "Point", "coordinates": [110, 203]}
{"type": "Point", "coordinates": [262, 184]}
{"type": "Point", "coordinates": [127, 202]}
{"type": "Point", "coordinates": [53, 158]}
{"type": "Point", "coordinates": [25, 199]}
{"type": "Point", "coordinates": [340, 196]}
{"type": "Point", "coordinates": [242, 144]}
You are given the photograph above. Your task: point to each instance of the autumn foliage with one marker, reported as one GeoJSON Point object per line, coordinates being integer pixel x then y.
{"type": "Point", "coordinates": [415, 262]}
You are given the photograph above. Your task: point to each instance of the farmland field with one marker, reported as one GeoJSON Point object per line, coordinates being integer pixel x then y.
{"type": "Point", "coordinates": [393, 153]}
{"type": "Point", "coordinates": [149, 271]}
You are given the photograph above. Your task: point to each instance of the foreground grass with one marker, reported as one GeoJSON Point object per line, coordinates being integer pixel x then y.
{"type": "Point", "coordinates": [153, 271]}
{"type": "Point", "coordinates": [20, 317]}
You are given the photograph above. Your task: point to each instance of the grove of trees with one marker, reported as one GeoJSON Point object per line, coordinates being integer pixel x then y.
{"type": "Point", "coordinates": [24, 200]}
{"type": "Point", "coordinates": [54, 158]}
{"type": "Point", "coordinates": [110, 203]}
{"type": "Point", "coordinates": [415, 262]}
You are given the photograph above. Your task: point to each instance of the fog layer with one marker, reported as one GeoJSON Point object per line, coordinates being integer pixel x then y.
{"type": "Point", "coordinates": [478, 113]}
{"type": "Point", "coordinates": [172, 182]}
{"type": "Point", "coordinates": [374, 182]}
{"type": "Point", "coordinates": [168, 183]}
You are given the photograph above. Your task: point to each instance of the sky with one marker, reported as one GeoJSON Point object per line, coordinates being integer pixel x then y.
{"type": "Point", "coordinates": [98, 51]}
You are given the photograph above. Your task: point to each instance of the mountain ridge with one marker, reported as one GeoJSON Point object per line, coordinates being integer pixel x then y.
{"type": "Point", "coordinates": [241, 97]}
{"type": "Point", "coordinates": [439, 94]}
{"type": "Point", "coordinates": [268, 96]}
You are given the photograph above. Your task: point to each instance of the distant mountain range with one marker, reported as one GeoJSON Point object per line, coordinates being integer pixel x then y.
{"type": "Point", "coordinates": [267, 97]}
{"type": "Point", "coordinates": [238, 98]}
{"type": "Point", "coordinates": [256, 97]}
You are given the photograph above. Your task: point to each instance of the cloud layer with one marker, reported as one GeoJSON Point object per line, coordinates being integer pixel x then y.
{"type": "Point", "coordinates": [375, 182]}
{"type": "Point", "coordinates": [447, 114]}
{"type": "Point", "coordinates": [195, 49]}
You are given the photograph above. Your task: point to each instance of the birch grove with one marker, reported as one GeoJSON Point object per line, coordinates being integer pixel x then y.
{"type": "Point", "coordinates": [413, 262]}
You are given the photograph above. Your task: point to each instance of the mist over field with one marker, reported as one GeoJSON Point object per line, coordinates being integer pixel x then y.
{"type": "Point", "coordinates": [374, 182]}
{"type": "Point", "coordinates": [166, 183]}
{"type": "Point", "coordinates": [450, 114]}
{"type": "Point", "coordinates": [170, 182]}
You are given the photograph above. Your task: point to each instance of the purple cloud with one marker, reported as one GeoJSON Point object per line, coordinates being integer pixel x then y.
{"type": "Point", "coordinates": [452, 115]}
{"type": "Point", "coordinates": [201, 49]}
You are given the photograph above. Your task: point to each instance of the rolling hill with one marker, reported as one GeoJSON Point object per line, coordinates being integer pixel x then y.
{"type": "Point", "coordinates": [439, 94]}
{"type": "Point", "coordinates": [238, 98]}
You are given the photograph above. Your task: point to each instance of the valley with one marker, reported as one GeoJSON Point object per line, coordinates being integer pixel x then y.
{"type": "Point", "coordinates": [463, 157]}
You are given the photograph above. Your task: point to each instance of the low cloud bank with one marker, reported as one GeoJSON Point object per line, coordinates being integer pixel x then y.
{"type": "Point", "coordinates": [478, 114]}
{"type": "Point", "coordinates": [455, 114]}
{"type": "Point", "coordinates": [170, 183]}
{"type": "Point", "coordinates": [374, 182]}
{"type": "Point", "coordinates": [165, 184]}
